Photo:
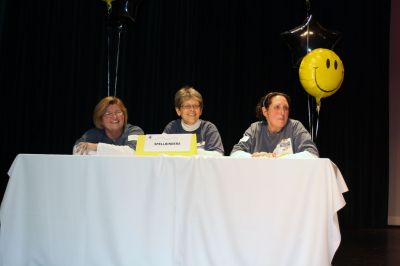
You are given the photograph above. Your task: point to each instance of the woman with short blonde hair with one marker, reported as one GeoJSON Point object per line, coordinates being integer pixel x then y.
{"type": "Point", "coordinates": [189, 107]}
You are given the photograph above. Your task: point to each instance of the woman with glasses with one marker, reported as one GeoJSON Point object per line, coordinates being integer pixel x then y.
{"type": "Point", "coordinates": [276, 135]}
{"type": "Point", "coordinates": [112, 133]}
{"type": "Point", "coordinates": [189, 106]}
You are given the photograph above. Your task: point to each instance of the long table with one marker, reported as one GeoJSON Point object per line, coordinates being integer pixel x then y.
{"type": "Point", "coordinates": [63, 210]}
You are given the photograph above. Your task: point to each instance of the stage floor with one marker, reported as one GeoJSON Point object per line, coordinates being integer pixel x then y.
{"type": "Point", "coordinates": [369, 247]}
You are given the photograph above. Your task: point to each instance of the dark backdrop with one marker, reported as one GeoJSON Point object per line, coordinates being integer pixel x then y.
{"type": "Point", "coordinates": [52, 73]}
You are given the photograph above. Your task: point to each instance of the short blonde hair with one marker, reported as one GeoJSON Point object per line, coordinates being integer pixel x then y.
{"type": "Point", "coordinates": [101, 108]}
{"type": "Point", "coordinates": [186, 93]}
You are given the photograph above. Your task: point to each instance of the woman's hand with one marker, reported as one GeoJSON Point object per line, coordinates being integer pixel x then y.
{"type": "Point", "coordinates": [86, 147]}
{"type": "Point", "coordinates": [264, 154]}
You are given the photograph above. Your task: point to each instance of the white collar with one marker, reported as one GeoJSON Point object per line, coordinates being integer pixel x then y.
{"type": "Point", "coordinates": [190, 128]}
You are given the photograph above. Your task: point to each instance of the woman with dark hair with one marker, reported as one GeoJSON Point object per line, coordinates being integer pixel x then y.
{"type": "Point", "coordinates": [112, 133]}
{"type": "Point", "coordinates": [276, 134]}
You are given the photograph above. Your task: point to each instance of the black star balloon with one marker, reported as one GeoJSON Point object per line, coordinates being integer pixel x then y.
{"type": "Point", "coordinates": [307, 37]}
{"type": "Point", "coordinates": [120, 14]}
{"type": "Point", "coordinates": [124, 11]}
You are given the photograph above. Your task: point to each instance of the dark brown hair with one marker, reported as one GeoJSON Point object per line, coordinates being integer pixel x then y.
{"type": "Point", "coordinates": [266, 100]}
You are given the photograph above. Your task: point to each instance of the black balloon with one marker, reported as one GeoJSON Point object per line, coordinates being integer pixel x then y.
{"type": "Point", "coordinates": [307, 37]}
{"type": "Point", "coordinates": [124, 12]}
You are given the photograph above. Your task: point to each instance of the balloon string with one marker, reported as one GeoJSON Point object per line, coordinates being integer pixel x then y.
{"type": "Point", "coordinates": [318, 109]}
{"type": "Point", "coordinates": [108, 62]}
{"type": "Point", "coordinates": [117, 60]}
{"type": "Point", "coordinates": [312, 126]}
{"type": "Point", "coordinates": [308, 35]}
{"type": "Point", "coordinates": [108, 49]}
{"type": "Point", "coordinates": [310, 118]}
{"type": "Point", "coordinates": [308, 6]}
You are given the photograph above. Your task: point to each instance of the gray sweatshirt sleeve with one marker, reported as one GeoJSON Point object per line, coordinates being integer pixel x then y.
{"type": "Point", "coordinates": [246, 142]}
{"type": "Point", "coordinates": [302, 140]}
{"type": "Point", "coordinates": [213, 141]}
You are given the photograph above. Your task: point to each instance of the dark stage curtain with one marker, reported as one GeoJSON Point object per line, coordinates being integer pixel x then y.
{"type": "Point", "coordinates": [53, 72]}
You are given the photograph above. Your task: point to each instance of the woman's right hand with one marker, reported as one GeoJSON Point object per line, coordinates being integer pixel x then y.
{"type": "Point", "coordinates": [84, 148]}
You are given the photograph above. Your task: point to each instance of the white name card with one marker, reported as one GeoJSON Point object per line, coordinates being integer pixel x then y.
{"type": "Point", "coordinates": [170, 144]}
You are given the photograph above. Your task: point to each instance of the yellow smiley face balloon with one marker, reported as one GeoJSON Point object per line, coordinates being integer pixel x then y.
{"type": "Point", "coordinates": [321, 73]}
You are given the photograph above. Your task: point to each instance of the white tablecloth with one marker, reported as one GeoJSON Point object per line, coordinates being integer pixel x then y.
{"type": "Point", "coordinates": [64, 210]}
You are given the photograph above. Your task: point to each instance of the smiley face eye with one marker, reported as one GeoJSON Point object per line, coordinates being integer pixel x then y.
{"type": "Point", "coordinates": [328, 63]}
{"type": "Point", "coordinates": [336, 65]}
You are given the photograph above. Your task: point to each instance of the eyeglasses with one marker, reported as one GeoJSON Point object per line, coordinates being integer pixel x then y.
{"type": "Point", "coordinates": [189, 106]}
{"type": "Point", "coordinates": [109, 114]}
